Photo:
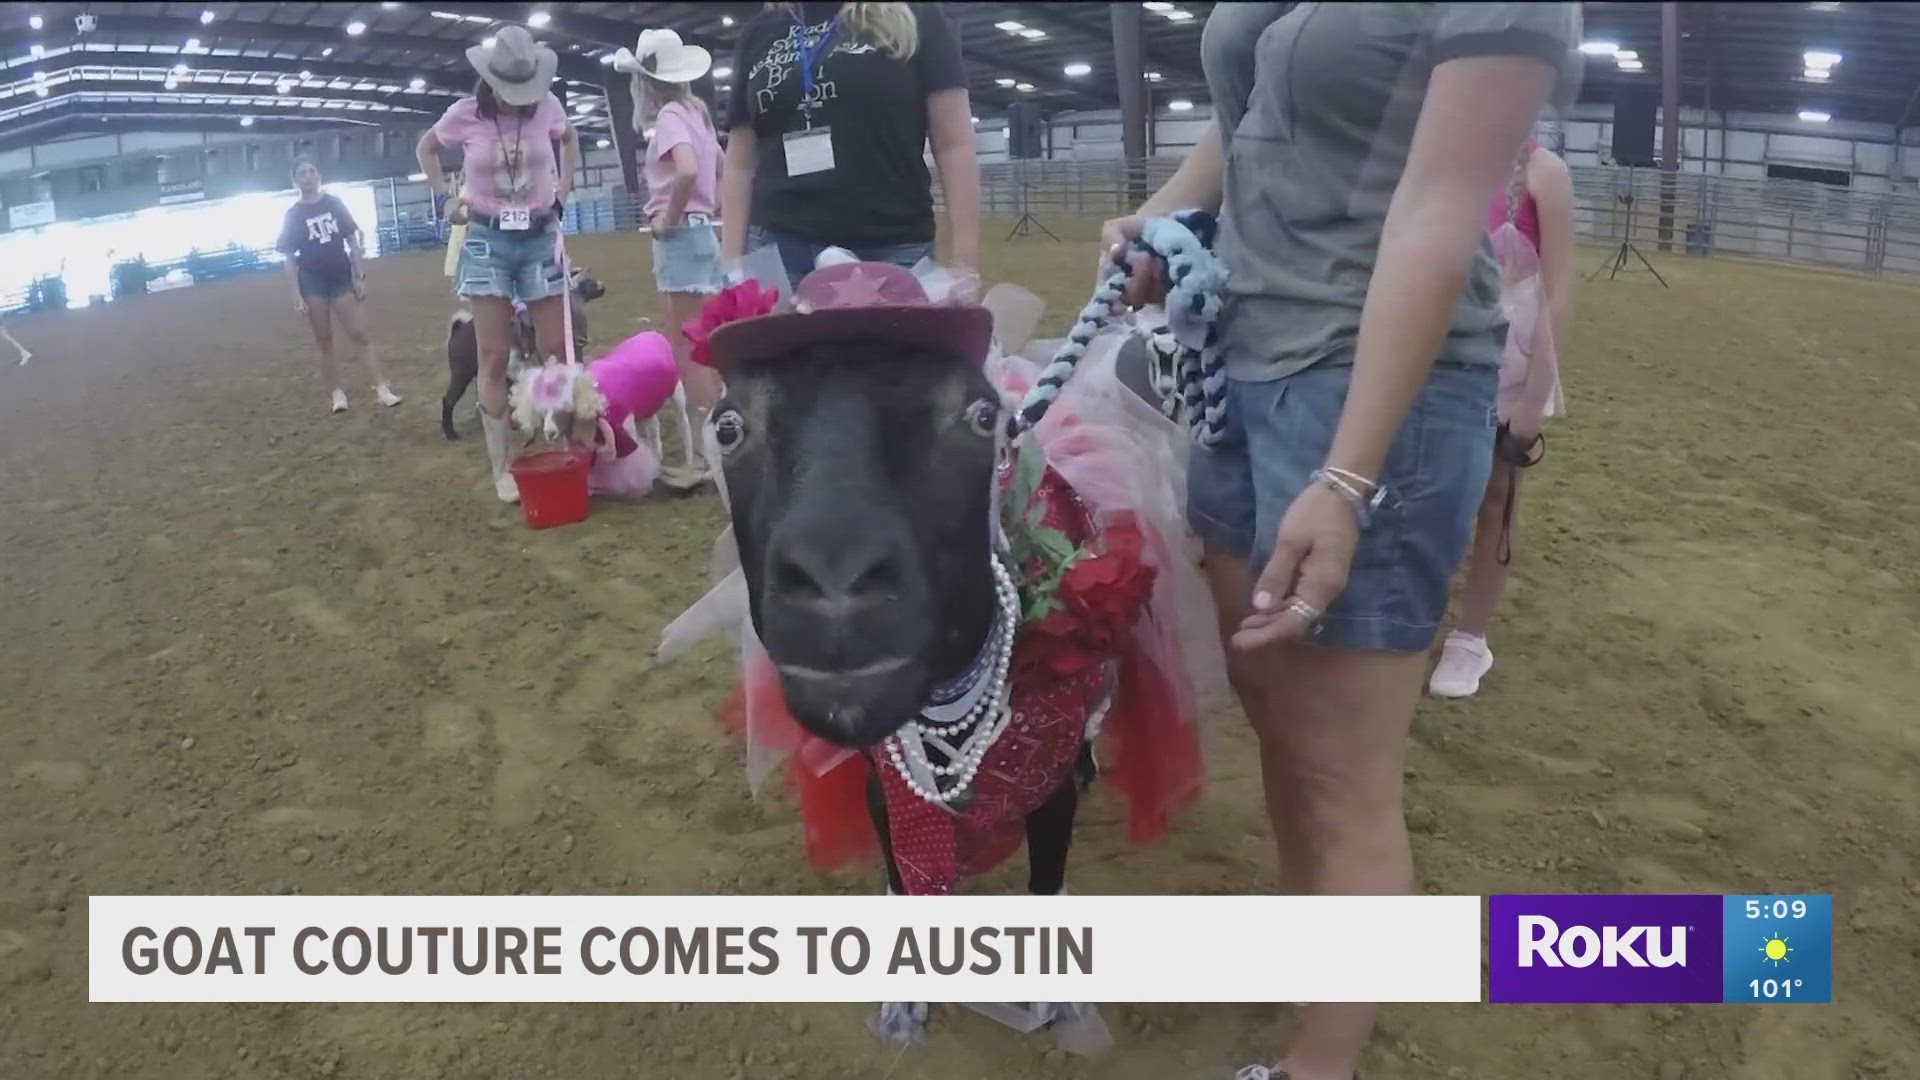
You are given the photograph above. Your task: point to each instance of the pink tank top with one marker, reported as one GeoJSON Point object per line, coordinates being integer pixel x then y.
{"type": "Point", "coordinates": [1526, 215]}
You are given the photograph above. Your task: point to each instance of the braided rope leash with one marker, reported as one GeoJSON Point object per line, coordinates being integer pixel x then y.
{"type": "Point", "coordinates": [1186, 343]}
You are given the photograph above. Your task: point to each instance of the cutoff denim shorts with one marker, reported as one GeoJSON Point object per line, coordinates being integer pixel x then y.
{"type": "Point", "coordinates": [517, 265]}
{"type": "Point", "coordinates": [1279, 433]}
{"type": "Point", "coordinates": [688, 261]}
{"type": "Point", "coordinates": [798, 255]}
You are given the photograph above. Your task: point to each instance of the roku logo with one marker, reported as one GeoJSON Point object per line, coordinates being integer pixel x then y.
{"type": "Point", "coordinates": [1580, 946]}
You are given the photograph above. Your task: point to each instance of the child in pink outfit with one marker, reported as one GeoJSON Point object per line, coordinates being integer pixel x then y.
{"type": "Point", "coordinates": [1531, 222]}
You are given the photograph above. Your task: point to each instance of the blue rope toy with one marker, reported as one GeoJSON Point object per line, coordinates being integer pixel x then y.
{"type": "Point", "coordinates": [1183, 242]}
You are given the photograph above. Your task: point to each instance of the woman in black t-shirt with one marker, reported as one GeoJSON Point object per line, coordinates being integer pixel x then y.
{"type": "Point", "coordinates": [845, 166]}
{"type": "Point", "coordinates": [322, 244]}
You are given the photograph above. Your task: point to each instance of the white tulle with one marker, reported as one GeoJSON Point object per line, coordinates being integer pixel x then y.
{"type": "Point", "coordinates": [1531, 352]}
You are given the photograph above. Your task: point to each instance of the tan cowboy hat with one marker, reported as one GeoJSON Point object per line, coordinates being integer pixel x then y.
{"type": "Point", "coordinates": [659, 54]}
{"type": "Point", "coordinates": [518, 68]}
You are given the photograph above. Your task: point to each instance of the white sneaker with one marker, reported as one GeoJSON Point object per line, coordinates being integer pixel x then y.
{"type": "Point", "coordinates": [1464, 661]}
{"type": "Point", "coordinates": [384, 395]}
{"type": "Point", "coordinates": [504, 487]}
{"type": "Point", "coordinates": [339, 401]}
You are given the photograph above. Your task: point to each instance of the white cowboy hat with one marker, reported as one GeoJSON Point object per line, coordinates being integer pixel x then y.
{"type": "Point", "coordinates": [660, 55]}
{"type": "Point", "coordinates": [518, 68]}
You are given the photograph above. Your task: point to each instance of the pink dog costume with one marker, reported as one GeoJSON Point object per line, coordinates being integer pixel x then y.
{"type": "Point", "coordinates": [636, 378]}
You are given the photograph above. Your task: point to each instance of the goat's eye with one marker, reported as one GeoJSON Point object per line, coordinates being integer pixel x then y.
{"type": "Point", "coordinates": [982, 416]}
{"type": "Point", "coordinates": [729, 429]}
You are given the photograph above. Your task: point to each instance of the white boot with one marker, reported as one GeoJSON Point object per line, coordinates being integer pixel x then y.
{"type": "Point", "coordinates": [497, 432]}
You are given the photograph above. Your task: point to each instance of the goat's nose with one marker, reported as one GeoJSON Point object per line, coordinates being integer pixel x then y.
{"type": "Point", "coordinates": [843, 571]}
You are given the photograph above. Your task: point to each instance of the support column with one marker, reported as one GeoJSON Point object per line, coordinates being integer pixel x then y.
{"type": "Point", "coordinates": [626, 146]}
{"type": "Point", "coordinates": [1128, 66]}
{"type": "Point", "coordinates": [1669, 117]}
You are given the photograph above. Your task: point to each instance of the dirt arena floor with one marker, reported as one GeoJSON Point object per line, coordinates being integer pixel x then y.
{"type": "Point", "coordinates": [252, 648]}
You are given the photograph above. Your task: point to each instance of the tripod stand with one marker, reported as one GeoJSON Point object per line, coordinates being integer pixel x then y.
{"type": "Point", "coordinates": [1026, 223]}
{"type": "Point", "coordinates": [1617, 261]}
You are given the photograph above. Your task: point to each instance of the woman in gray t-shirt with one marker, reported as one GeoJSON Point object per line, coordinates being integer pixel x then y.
{"type": "Point", "coordinates": [1353, 151]}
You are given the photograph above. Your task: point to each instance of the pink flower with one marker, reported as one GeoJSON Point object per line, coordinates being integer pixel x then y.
{"type": "Point", "coordinates": [747, 300]}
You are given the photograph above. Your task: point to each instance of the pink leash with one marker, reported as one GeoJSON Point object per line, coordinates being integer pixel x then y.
{"type": "Point", "coordinates": [566, 276]}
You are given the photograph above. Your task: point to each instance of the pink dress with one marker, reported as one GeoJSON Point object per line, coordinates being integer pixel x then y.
{"type": "Point", "coordinates": [1513, 219]}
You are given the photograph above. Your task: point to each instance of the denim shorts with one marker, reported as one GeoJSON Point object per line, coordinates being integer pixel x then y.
{"type": "Point", "coordinates": [325, 284]}
{"type": "Point", "coordinates": [798, 255]}
{"type": "Point", "coordinates": [1279, 432]}
{"type": "Point", "coordinates": [688, 261]}
{"type": "Point", "coordinates": [517, 265]}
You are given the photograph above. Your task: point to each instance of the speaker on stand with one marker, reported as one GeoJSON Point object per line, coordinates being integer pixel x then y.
{"type": "Point", "coordinates": [1026, 141]}
{"type": "Point", "coordinates": [1634, 110]}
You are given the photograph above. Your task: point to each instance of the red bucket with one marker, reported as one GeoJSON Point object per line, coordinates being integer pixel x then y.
{"type": "Point", "coordinates": [553, 486]}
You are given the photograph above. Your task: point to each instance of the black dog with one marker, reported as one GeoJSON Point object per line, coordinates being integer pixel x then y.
{"type": "Point", "coordinates": [463, 347]}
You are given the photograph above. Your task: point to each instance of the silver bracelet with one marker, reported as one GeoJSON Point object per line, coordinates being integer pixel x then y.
{"type": "Point", "coordinates": [1354, 488]}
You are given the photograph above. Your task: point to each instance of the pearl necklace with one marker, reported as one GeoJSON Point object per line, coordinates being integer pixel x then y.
{"type": "Point", "coordinates": [988, 719]}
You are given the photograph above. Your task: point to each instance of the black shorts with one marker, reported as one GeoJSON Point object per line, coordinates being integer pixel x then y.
{"type": "Point", "coordinates": [326, 284]}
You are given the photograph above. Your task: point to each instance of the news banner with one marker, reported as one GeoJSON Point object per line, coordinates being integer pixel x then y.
{"type": "Point", "coordinates": [1774, 950]}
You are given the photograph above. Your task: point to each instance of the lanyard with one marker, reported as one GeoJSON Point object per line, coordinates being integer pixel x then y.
{"type": "Point", "coordinates": [511, 161]}
{"type": "Point", "coordinates": [810, 52]}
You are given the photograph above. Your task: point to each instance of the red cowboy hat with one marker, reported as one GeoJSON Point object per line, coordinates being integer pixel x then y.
{"type": "Point", "coordinates": [853, 301]}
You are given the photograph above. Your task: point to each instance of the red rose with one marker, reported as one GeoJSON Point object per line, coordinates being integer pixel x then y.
{"type": "Point", "coordinates": [1113, 586]}
{"type": "Point", "coordinates": [747, 300]}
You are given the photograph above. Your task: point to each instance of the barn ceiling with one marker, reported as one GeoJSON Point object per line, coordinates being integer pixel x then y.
{"type": "Point", "coordinates": [170, 65]}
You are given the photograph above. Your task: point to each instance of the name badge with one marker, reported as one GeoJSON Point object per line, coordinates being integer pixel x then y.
{"type": "Point", "coordinates": [516, 219]}
{"type": "Point", "coordinates": [809, 151]}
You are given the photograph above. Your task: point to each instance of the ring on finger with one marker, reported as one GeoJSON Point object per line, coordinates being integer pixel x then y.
{"type": "Point", "coordinates": [1307, 612]}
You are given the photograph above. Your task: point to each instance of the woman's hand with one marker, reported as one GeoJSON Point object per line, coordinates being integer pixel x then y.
{"type": "Point", "coordinates": [1307, 572]}
{"type": "Point", "coordinates": [1146, 279]}
{"type": "Point", "coordinates": [661, 227]}
{"type": "Point", "coordinates": [300, 303]}
{"type": "Point", "coordinates": [456, 210]}
{"type": "Point", "coordinates": [359, 286]}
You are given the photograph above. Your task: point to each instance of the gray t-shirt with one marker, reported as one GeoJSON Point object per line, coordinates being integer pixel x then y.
{"type": "Point", "coordinates": [1316, 105]}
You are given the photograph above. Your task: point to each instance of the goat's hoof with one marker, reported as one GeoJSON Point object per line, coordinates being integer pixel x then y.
{"type": "Point", "coordinates": [900, 1022]}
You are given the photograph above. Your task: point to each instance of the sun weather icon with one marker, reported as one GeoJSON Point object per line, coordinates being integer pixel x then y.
{"type": "Point", "coordinates": [1776, 949]}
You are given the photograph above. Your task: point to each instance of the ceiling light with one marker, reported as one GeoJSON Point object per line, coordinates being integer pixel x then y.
{"type": "Point", "coordinates": [36, 21]}
{"type": "Point", "coordinates": [206, 17]}
{"type": "Point", "coordinates": [173, 83]}
{"type": "Point", "coordinates": [722, 72]}
{"type": "Point", "coordinates": [539, 19]}
{"type": "Point", "coordinates": [1010, 26]}
{"type": "Point", "coordinates": [1626, 54]}
{"type": "Point", "coordinates": [1157, 5]}
{"type": "Point", "coordinates": [283, 88]}
{"type": "Point", "coordinates": [1599, 48]}
{"type": "Point", "coordinates": [1817, 74]}
{"type": "Point", "coordinates": [1828, 5]}
{"type": "Point", "coordinates": [418, 83]}
{"type": "Point", "coordinates": [1813, 116]}
{"type": "Point", "coordinates": [1077, 69]}
{"type": "Point", "coordinates": [1153, 76]}
{"type": "Point", "coordinates": [1632, 65]}
{"type": "Point", "coordinates": [40, 91]}
{"type": "Point", "coordinates": [37, 51]}
{"type": "Point", "coordinates": [1180, 105]}
{"type": "Point", "coordinates": [179, 69]}
{"type": "Point", "coordinates": [1033, 35]}
{"type": "Point", "coordinates": [975, 119]}
{"type": "Point", "coordinates": [356, 28]}
{"type": "Point", "coordinates": [390, 5]}
{"type": "Point", "coordinates": [246, 121]}
{"type": "Point", "coordinates": [306, 74]}
{"type": "Point", "coordinates": [192, 45]}
{"type": "Point", "coordinates": [328, 51]}
{"type": "Point", "coordinates": [1025, 87]}
{"type": "Point", "coordinates": [1176, 15]}
{"type": "Point", "coordinates": [487, 41]}
{"type": "Point", "coordinates": [726, 20]}
{"type": "Point", "coordinates": [1004, 82]}
{"type": "Point", "coordinates": [1822, 59]}
{"type": "Point", "coordinates": [604, 143]}
{"type": "Point", "coordinates": [39, 76]}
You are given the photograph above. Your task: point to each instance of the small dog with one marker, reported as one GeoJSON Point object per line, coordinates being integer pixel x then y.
{"type": "Point", "coordinates": [463, 347]}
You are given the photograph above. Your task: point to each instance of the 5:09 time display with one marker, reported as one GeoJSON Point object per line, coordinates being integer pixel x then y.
{"type": "Point", "coordinates": [1779, 908]}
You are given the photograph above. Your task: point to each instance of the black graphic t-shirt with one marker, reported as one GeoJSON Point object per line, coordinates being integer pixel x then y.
{"type": "Point", "coordinates": [314, 235]}
{"type": "Point", "coordinates": [879, 190]}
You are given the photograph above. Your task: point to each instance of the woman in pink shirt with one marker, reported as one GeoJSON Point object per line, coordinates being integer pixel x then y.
{"type": "Point", "coordinates": [518, 150]}
{"type": "Point", "coordinates": [682, 170]}
{"type": "Point", "coordinates": [1531, 222]}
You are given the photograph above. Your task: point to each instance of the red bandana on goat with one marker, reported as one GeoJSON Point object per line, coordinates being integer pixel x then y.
{"type": "Point", "coordinates": [1146, 750]}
